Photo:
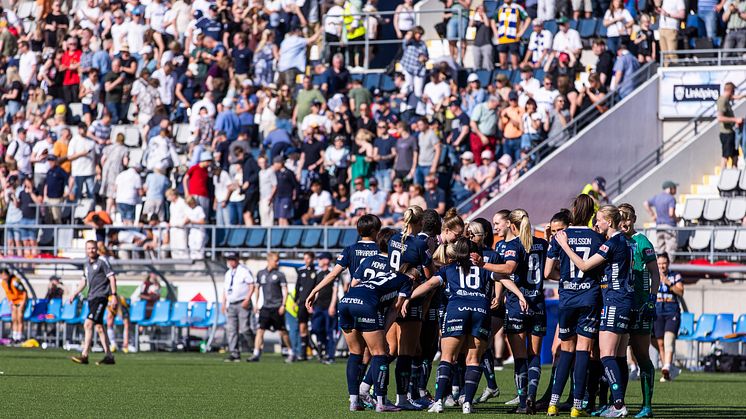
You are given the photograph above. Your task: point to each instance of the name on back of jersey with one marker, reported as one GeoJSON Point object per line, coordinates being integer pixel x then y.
{"type": "Point", "coordinates": [398, 245]}
{"type": "Point", "coordinates": [579, 240]}
{"type": "Point", "coordinates": [382, 266]}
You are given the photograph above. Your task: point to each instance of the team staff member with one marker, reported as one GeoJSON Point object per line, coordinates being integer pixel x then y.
{"type": "Point", "coordinates": [16, 294]}
{"type": "Point", "coordinates": [668, 315]}
{"type": "Point", "coordinates": [306, 281]}
{"type": "Point", "coordinates": [324, 310]}
{"type": "Point", "coordinates": [102, 283]}
{"type": "Point", "coordinates": [274, 288]}
{"type": "Point", "coordinates": [238, 288]}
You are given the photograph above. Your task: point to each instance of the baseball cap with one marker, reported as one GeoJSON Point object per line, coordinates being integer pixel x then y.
{"type": "Point", "coordinates": [456, 102]}
{"type": "Point", "coordinates": [228, 102]}
{"type": "Point", "coordinates": [278, 159]}
{"type": "Point", "coordinates": [601, 181]}
{"type": "Point", "coordinates": [194, 68]}
{"type": "Point", "coordinates": [513, 95]}
{"type": "Point", "coordinates": [205, 156]}
{"type": "Point", "coordinates": [316, 102]}
{"type": "Point", "coordinates": [197, 14]}
{"type": "Point", "coordinates": [538, 22]}
{"type": "Point", "coordinates": [487, 154]}
{"type": "Point", "coordinates": [325, 255]}
{"type": "Point", "coordinates": [230, 255]}
{"type": "Point", "coordinates": [214, 7]}
{"type": "Point", "coordinates": [467, 155]}
{"type": "Point", "coordinates": [472, 77]}
{"type": "Point", "coordinates": [55, 278]}
{"type": "Point", "coordinates": [51, 157]}
{"type": "Point", "coordinates": [245, 83]}
{"type": "Point", "coordinates": [138, 11]}
{"type": "Point", "coordinates": [373, 181]}
{"type": "Point", "coordinates": [669, 184]}
{"type": "Point", "coordinates": [562, 20]}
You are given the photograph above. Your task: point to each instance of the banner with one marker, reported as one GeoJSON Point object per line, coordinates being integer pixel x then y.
{"type": "Point", "coordinates": [686, 92]}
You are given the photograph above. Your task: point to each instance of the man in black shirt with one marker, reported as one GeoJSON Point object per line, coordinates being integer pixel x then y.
{"type": "Point", "coordinates": [324, 315]}
{"type": "Point", "coordinates": [27, 201]}
{"type": "Point", "coordinates": [285, 192]}
{"type": "Point", "coordinates": [305, 283]}
{"type": "Point", "coordinates": [54, 189]}
{"type": "Point", "coordinates": [312, 158]}
{"type": "Point", "coordinates": [605, 63]}
{"type": "Point", "coordinates": [459, 127]}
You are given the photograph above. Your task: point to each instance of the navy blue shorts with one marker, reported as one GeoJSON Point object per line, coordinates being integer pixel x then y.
{"type": "Point", "coordinates": [464, 320]}
{"type": "Point", "coordinates": [642, 322]}
{"type": "Point", "coordinates": [581, 321]}
{"type": "Point", "coordinates": [283, 207]}
{"type": "Point", "coordinates": [666, 322]}
{"type": "Point", "coordinates": [616, 319]}
{"type": "Point", "coordinates": [415, 311]}
{"type": "Point", "coordinates": [512, 48]}
{"type": "Point", "coordinates": [354, 314]}
{"type": "Point", "coordinates": [533, 321]}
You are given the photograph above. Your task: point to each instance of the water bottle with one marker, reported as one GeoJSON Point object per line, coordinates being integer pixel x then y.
{"type": "Point", "coordinates": [202, 346]}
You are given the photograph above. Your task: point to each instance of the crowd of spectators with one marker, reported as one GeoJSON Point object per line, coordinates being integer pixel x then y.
{"type": "Point", "coordinates": [277, 131]}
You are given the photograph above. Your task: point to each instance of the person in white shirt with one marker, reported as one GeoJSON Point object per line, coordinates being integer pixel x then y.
{"type": "Point", "coordinates": [318, 203]}
{"type": "Point", "coordinates": [671, 12]}
{"type": "Point", "coordinates": [205, 102]}
{"type": "Point", "coordinates": [359, 199]}
{"type": "Point", "coordinates": [19, 152]}
{"type": "Point", "coordinates": [195, 217]}
{"type": "Point", "coordinates": [128, 185]}
{"type": "Point", "coordinates": [567, 40]}
{"type": "Point", "coordinates": [81, 152]}
{"type": "Point", "coordinates": [167, 79]}
{"type": "Point", "coordinates": [27, 63]}
{"type": "Point", "coordinates": [160, 152]}
{"type": "Point", "coordinates": [539, 45]}
{"type": "Point", "coordinates": [223, 187]}
{"type": "Point", "coordinates": [89, 16]}
{"type": "Point", "coordinates": [136, 31]}
{"type": "Point", "coordinates": [435, 93]}
{"type": "Point", "coordinates": [118, 32]}
{"type": "Point", "coordinates": [545, 96]}
{"type": "Point", "coordinates": [377, 199]}
{"type": "Point", "coordinates": [155, 13]}
{"type": "Point", "coordinates": [528, 86]}
{"type": "Point", "coordinates": [238, 286]}
{"type": "Point", "coordinates": [177, 211]}
{"type": "Point", "coordinates": [39, 153]}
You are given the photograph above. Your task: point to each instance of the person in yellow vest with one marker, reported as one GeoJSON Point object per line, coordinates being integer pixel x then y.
{"type": "Point", "coordinates": [354, 25]}
{"type": "Point", "coordinates": [291, 322]}
{"type": "Point", "coordinates": [16, 294]}
{"type": "Point", "coordinates": [510, 22]}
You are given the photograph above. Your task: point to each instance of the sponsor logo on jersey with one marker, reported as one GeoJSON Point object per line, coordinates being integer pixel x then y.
{"type": "Point", "coordinates": [510, 253]}
{"type": "Point", "coordinates": [339, 257]}
{"type": "Point", "coordinates": [365, 320]}
{"type": "Point", "coordinates": [351, 300]}
{"type": "Point", "coordinates": [464, 293]}
{"type": "Point", "coordinates": [477, 309]}
{"type": "Point", "coordinates": [604, 248]}
{"type": "Point", "coordinates": [574, 286]}
{"type": "Point", "coordinates": [456, 328]}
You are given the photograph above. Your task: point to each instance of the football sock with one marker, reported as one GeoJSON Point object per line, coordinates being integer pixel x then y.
{"type": "Point", "coordinates": [488, 367]}
{"type": "Point", "coordinates": [380, 367]}
{"type": "Point", "coordinates": [614, 376]}
{"type": "Point", "coordinates": [534, 375]}
{"type": "Point", "coordinates": [521, 379]}
{"type": "Point", "coordinates": [443, 379]}
{"type": "Point", "coordinates": [414, 378]}
{"type": "Point", "coordinates": [560, 376]}
{"type": "Point", "coordinates": [548, 391]}
{"type": "Point", "coordinates": [353, 372]}
{"type": "Point", "coordinates": [580, 373]}
{"type": "Point", "coordinates": [427, 368]}
{"type": "Point", "coordinates": [624, 370]}
{"type": "Point", "coordinates": [647, 378]}
{"type": "Point", "coordinates": [403, 371]}
{"type": "Point", "coordinates": [471, 382]}
{"type": "Point", "coordinates": [595, 372]}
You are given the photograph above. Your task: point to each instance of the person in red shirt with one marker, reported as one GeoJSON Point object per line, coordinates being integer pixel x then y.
{"type": "Point", "coordinates": [70, 64]}
{"type": "Point", "coordinates": [197, 179]}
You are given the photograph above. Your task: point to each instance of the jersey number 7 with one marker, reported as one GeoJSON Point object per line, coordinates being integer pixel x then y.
{"type": "Point", "coordinates": [584, 252]}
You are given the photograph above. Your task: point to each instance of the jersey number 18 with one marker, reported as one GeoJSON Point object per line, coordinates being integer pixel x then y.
{"type": "Point", "coordinates": [471, 280]}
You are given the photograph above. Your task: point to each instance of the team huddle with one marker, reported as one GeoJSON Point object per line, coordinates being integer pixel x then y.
{"type": "Point", "coordinates": [441, 285]}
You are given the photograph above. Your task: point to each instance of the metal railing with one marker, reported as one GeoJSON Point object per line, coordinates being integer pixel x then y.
{"type": "Point", "coordinates": [700, 57]}
{"type": "Point", "coordinates": [548, 146]}
{"type": "Point", "coordinates": [367, 42]}
{"type": "Point", "coordinates": [688, 131]}
{"type": "Point", "coordinates": [684, 237]}
{"type": "Point", "coordinates": [58, 239]}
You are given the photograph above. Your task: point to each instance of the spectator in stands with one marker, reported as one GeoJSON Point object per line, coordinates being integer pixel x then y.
{"type": "Point", "coordinates": [377, 199]}
{"type": "Point", "coordinates": [81, 153]}
{"type": "Point", "coordinates": [591, 94]}
{"type": "Point", "coordinates": [567, 40]}
{"type": "Point", "coordinates": [406, 154]}
{"type": "Point", "coordinates": [413, 61]}
{"type": "Point", "coordinates": [291, 59]}
{"type": "Point", "coordinates": [459, 129]}
{"type": "Point", "coordinates": [54, 190]}
{"type": "Point", "coordinates": [114, 84]}
{"type": "Point", "coordinates": [39, 153]}
{"type": "Point", "coordinates": [482, 49]}
{"type": "Point", "coordinates": [195, 217]}
{"type": "Point", "coordinates": [336, 77]}
{"type": "Point", "coordinates": [238, 288]}
{"type": "Point", "coordinates": [671, 12]}
{"type": "Point", "coordinates": [18, 153]}
{"type": "Point", "coordinates": [318, 203]}
{"type": "Point", "coordinates": [223, 187]}
{"type": "Point", "coordinates": [435, 94]}
{"type": "Point", "coordinates": [196, 181]}
{"type": "Point", "coordinates": [728, 122]}
{"type": "Point", "coordinates": [384, 153]}
{"type": "Point", "coordinates": [484, 124]}
{"type": "Point", "coordinates": [734, 15]}
{"type": "Point", "coordinates": [539, 47]}
{"type": "Point", "coordinates": [662, 209]}
{"type": "Point", "coordinates": [155, 187]}
{"type": "Point", "coordinates": [512, 22]}
{"type": "Point", "coordinates": [578, 6]}
{"type": "Point", "coordinates": [128, 186]}
{"type": "Point", "coordinates": [474, 94]}
{"type": "Point", "coordinates": [267, 181]}
{"type": "Point", "coordinates": [645, 43]}
{"type": "Point", "coordinates": [28, 202]}
{"type": "Point", "coordinates": [511, 124]}
{"type": "Point", "coordinates": [429, 150]}
{"type": "Point", "coordinates": [150, 292]}
{"type": "Point", "coordinates": [625, 68]}
{"type": "Point", "coordinates": [177, 211]}
{"type": "Point", "coordinates": [559, 117]}
{"type": "Point", "coordinates": [435, 197]}
{"type": "Point", "coordinates": [112, 163]}
{"type": "Point", "coordinates": [55, 290]}
{"type": "Point", "coordinates": [285, 192]}
{"type": "Point", "coordinates": [618, 22]}
{"type": "Point", "coordinates": [534, 124]}
{"type": "Point", "coordinates": [605, 63]}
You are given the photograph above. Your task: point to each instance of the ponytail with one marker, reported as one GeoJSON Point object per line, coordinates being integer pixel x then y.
{"type": "Point", "coordinates": [461, 252]}
{"type": "Point", "coordinates": [519, 218]}
{"type": "Point", "coordinates": [412, 216]}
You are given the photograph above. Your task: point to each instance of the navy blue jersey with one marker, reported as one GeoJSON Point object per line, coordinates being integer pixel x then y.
{"type": "Point", "coordinates": [500, 251]}
{"type": "Point", "coordinates": [468, 287]}
{"type": "Point", "coordinates": [372, 267]}
{"type": "Point", "coordinates": [668, 302]}
{"type": "Point", "coordinates": [522, 276]}
{"type": "Point", "coordinates": [380, 290]}
{"type": "Point", "coordinates": [413, 251]}
{"type": "Point", "coordinates": [617, 283]}
{"type": "Point", "coordinates": [352, 256]}
{"type": "Point", "coordinates": [577, 288]}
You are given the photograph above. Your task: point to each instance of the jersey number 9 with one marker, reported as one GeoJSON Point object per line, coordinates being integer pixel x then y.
{"type": "Point", "coordinates": [395, 259]}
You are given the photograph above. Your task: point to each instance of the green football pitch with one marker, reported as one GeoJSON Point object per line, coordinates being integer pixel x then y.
{"type": "Point", "coordinates": [45, 383]}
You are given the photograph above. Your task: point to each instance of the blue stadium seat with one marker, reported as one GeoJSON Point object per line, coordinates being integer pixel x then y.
{"type": "Point", "coordinates": [54, 310]}
{"type": "Point", "coordinates": [527, 35]}
{"type": "Point", "coordinates": [161, 314]}
{"type": "Point", "coordinates": [198, 313]}
{"type": "Point", "coordinates": [694, 21]}
{"type": "Point", "coordinates": [551, 26]}
{"type": "Point", "coordinates": [587, 28]}
{"type": "Point", "coordinates": [39, 311]}
{"type": "Point", "coordinates": [740, 328]}
{"type": "Point", "coordinates": [292, 238]}
{"type": "Point", "coordinates": [686, 327]}
{"type": "Point", "coordinates": [573, 24]}
{"type": "Point", "coordinates": [256, 237]}
{"type": "Point", "coordinates": [137, 311]}
{"type": "Point", "coordinates": [30, 303]}
{"type": "Point", "coordinates": [704, 327]}
{"type": "Point", "coordinates": [118, 321]}
{"type": "Point", "coordinates": [5, 310]}
{"type": "Point", "coordinates": [372, 81]}
{"type": "Point", "coordinates": [601, 29]}
{"type": "Point", "coordinates": [484, 77]}
{"type": "Point", "coordinates": [723, 327]}
{"type": "Point", "coordinates": [357, 76]}
{"type": "Point", "coordinates": [69, 311]}
{"type": "Point", "coordinates": [539, 74]}
{"type": "Point", "coordinates": [180, 314]}
{"type": "Point", "coordinates": [349, 237]}
{"type": "Point", "coordinates": [332, 237]}
{"type": "Point", "coordinates": [237, 237]}
{"type": "Point", "coordinates": [215, 312]}
{"type": "Point", "coordinates": [515, 77]}
{"type": "Point", "coordinates": [84, 310]}
{"type": "Point", "coordinates": [387, 83]}
{"type": "Point", "coordinates": [221, 236]}
{"type": "Point", "coordinates": [277, 234]}
{"type": "Point", "coordinates": [311, 238]}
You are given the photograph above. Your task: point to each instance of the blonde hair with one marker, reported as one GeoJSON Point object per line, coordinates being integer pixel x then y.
{"type": "Point", "coordinates": [627, 212]}
{"type": "Point", "coordinates": [477, 229]}
{"type": "Point", "coordinates": [519, 218]}
{"type": "Point", "coordinates": [452, 220]}
{"type": "Point", "coordinates": [412, 216]}
{"type": "Point", "coordinates": [610, 214]}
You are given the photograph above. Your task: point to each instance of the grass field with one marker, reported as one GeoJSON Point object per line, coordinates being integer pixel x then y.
{"type": "Point", "coordinates": [46, 384]}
